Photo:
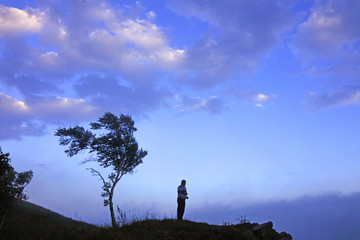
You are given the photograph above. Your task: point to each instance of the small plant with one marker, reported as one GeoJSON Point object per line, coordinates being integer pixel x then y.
{"type": "Point", "coordinates": [242, 219]}
{"type": "Point", "coordinates": [227, 223]}
{"type": "Point", "coordinates": [122, 217]}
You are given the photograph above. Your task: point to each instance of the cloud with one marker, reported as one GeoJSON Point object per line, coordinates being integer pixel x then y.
{"type": "Point", "coordinates": [91, 37]}
{"type": "Point", "coordinates": [113, 41]}
{"type": "Point", "coordinates": [325, 217]}
{"type": "Point", "coordinates": [256, 97]}
{"type": "Point", "coordinates": [330, 25]}
{"type": "Point", "coordinates": [11, 105]}
{"type": "Point", "coordinates": [328, 39]}
{"type": "Point", "coordinates": [21, 118]}
{"type": "Point", "coordinates": [338, 97]}
{"type": "Point", "coordinates": [115, 58]}
{"type": "Point", "coordinates": [74, 40]}
{"type": "Point", "coordinates": [15, 21]}
{"type": "Point", "coordinates": [15, 121]}
{"type": "Point", "coordinates": [239, 34]}
{"type": "Point", "coordinates": [327, 42]}
{"type": "Point", "coordinates": [115, 94]}
{"type": "Point", "coordinates": [212, 105]}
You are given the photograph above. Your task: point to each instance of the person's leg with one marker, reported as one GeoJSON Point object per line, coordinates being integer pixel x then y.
{"type": "Point", "coordinates": [181, 208]}
{"type": "Point", "coordinates": [178, 210]}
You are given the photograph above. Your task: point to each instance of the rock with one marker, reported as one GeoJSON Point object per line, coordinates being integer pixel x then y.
{"type": "Point", "coordinates": [263, 227]}
{"type": "Point", "coordinates": [265, 231]}
{"type": "Point", "coordinates": [285, 236]}
{"type": "Point", "coordinates": [248, 235]}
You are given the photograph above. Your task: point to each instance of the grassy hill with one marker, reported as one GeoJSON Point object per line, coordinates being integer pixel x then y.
{"type": "Point", "coordinates": [29, 221]}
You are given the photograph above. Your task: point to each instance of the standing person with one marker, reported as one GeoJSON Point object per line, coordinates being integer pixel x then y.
{"type": "Point", "coordinates": [182, 195]}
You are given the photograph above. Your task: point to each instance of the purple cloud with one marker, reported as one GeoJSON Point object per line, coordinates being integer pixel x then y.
{"type": "Point", "coordinates": [338, 97]}
{"type": "Point", "coordinates": [29, 118]}
{"type": "Point", "coordinates": [239, 34]}
{"type": "Point", "coordinates": [108, 58]}
{"type": "Point", "coordinates": [212, 105]}
{"type": "Point", "coordinates": [328, 39]}
{"type": "Point", "coordinates": [74, 40]}
{"type": "Point", "coordinates": [114, 95]}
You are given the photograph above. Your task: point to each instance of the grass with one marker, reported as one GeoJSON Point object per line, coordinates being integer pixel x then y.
{"type": "Point", "coordinates": [29, 221]}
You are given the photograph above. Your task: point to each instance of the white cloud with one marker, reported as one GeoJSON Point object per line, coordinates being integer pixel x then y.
{"type": "Point", "coordinates": [260, 99]}
{"type": "Point", "coordinates": [110, 41]}
{"type": "Point", "coordinates": [151, 15]}
{"type": "Point", "coordinates": [11, 105]}
{"type": "Point", "coordinates": [15, 21]}
{"type": "Point", "coordinates": [50, 59]}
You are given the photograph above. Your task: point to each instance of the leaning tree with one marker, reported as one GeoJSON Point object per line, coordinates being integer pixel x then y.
{"type": "Point", "coordinates": [114, 147]}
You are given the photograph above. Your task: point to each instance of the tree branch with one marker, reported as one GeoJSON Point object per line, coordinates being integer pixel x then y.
{"type": "Point", "coordinates": [97, 173]}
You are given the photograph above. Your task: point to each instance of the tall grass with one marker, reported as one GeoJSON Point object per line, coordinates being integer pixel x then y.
{"type": "Point", "coordinates": [129, 217]}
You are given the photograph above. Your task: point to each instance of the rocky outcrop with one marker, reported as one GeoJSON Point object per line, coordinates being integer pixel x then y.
{"type": "Point", "coordinates": [285, 236]}
{"type": "Point", "coordinates": [265, 231]}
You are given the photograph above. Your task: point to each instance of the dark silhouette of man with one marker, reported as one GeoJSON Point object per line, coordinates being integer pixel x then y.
{"type": "Point", "coordinates": [182, 196]}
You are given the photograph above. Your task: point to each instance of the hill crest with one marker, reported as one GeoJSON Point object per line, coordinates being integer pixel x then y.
{"type": "Point", "coordinates": [30, 221]}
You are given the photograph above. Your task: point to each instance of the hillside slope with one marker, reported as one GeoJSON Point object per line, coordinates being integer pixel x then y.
{"type": "Point", "coordinates": [29, 221]}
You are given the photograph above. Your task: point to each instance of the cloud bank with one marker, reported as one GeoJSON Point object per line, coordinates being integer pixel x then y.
{"type": "Point", "coordinates": [120, 58]}
{"type": "Point", "coordinates": [325, 217]}
{"type": "Point", "coordinates": [82, 58]}
{"type": "Point", "coordinates": [328, 43]}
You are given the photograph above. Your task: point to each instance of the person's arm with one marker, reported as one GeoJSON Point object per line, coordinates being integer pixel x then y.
{"type": "Point", "coordinates": [183, 192]}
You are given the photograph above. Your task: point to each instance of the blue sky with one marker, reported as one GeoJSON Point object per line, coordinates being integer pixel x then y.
{"type": "Point", "coordinates": [254, 103]}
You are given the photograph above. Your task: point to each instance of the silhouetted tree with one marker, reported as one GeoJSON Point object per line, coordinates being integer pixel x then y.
{"type": "Point", "coordinates": [115, 147]}
{"type": "Point", "coordinates": [12, 183]}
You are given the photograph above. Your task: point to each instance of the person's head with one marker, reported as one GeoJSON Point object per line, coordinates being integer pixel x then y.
{"type": "Point", "coordinates": [183, 182]}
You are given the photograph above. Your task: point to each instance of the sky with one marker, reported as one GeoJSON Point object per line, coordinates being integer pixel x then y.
{"type": "Point", "coordinates": [254, 103]}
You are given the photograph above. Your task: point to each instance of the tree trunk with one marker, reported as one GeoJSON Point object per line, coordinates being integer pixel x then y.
{"type": "Point", "coordinates": [111, 206]}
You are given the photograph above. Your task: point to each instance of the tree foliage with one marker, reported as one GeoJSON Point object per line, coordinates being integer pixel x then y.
{"type": "Point", "coordinates": [12, 183]}
{"type": "Point", "coordinates": [114, 147]}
